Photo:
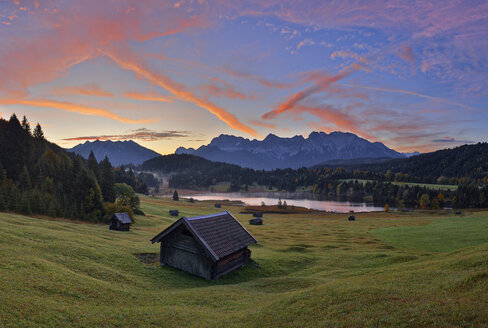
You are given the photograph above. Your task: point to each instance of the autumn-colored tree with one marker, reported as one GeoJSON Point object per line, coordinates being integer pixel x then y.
{"type": "Point", "coordinates": [424, 201]}
{"type": "Point", "coordinates": [440, 198]}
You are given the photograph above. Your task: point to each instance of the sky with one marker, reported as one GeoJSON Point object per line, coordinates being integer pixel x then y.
{"type": "Point", "coordinates": [410, 74]}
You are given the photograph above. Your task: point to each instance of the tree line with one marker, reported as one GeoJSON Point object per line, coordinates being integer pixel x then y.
{"type": "Point", "coordinates": [38, 177]}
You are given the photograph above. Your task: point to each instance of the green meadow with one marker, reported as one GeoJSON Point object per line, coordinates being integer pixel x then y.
{"type": "Point", "coordinates": [308, 270]}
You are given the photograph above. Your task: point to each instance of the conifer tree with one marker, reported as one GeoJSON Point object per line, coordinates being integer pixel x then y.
{"type": "Point", "coordinates": [51, 210]}
{"type": "Point", "coordinates": [14, 121]}
{"type": "Point", "coordinates": [26, 125]}
{"type": "Point", "coordinates": [25, 203]}
{"type": "Point", "coordinates": [3, 201]}
{"type": "Point", "coordinates": [24, 180]}
{"type": "Point", "coordinates": [12, 198]}
{"type": "Point", "coordinates": [107, 180]}
{"type": "Point", "coordinates": [175, 195]}
{"type": "Point", "coordinates": [38, 132]}
{"type": "Point", "coordinates": [3, 191]}
{"type": "Point", "coordinates": [92, 165]}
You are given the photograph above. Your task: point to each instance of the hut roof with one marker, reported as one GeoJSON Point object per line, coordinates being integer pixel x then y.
{"type": "Point", "coordinates": [220, 234]}
{"type": "Point", "coordinates": [123, 218]}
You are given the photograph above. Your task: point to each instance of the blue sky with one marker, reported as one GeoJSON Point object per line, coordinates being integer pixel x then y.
{"type": "Point", "coordinates": [411, 74]}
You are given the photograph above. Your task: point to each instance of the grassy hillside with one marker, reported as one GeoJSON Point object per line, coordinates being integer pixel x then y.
{"type": "Point", "coordinates": [311, 270]}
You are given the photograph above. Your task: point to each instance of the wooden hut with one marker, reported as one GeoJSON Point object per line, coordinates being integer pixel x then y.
{"type": "Point", "coordinates": [256, 221]}
{"type": "Point", "coordinates": [207, 246]}
{"type": "Point", "coordinates": [120, 221]}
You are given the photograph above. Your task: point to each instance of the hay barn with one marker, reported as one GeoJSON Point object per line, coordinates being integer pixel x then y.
{"type": "Point", "coordinates": [207, 246]}
{"type": "Point", "coordinates": [120, 221]}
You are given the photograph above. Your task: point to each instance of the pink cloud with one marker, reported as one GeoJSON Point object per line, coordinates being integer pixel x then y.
{"type": "Point", "coordinates": [321, 82]}
{"type": "Point", "coordinates": [406, 53]}
{"type": "Point", "coordinates": [87, 90]}
{"type": "Point", "coordinates": [222, 89]}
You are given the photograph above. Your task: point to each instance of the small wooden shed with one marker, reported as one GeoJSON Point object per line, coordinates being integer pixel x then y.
{"type": "Point", "coordinates": [120, 221]}
{"type": "Point", "coordinates": [207, 246]}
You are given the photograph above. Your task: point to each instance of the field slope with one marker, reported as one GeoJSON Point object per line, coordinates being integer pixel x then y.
{"type": "Point", "coordinates": [311, 270]}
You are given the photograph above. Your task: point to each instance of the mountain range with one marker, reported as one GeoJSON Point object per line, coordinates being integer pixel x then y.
{"type": "Point", "coordinates": [118, 152]}
{"type": "Point", "coordinates": [274, 152]}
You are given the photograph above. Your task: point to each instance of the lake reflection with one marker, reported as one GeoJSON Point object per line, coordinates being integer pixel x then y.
{"type": "Point", "coordinates": [298, 199]}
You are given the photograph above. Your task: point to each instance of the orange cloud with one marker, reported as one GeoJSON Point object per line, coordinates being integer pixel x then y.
{"type": "Point", "coordinates": [223, 89]}
{"type": "Point", "coordinates": [151, 96]}
{"type": "Point", "coordinates": [87, 90]}
{"type": "Point", "coordinates": [178, 90]}
{"type": "Point", "coordinates": [263, 124]}
{"type": "Point", "coordinates": [74, 108]}
{"type": "Point", "coordinates": [239, 74]}
{"type": "Point", "coordinates": [331, 115]}
{"type": "Point", "coordinates": [257, 78]}
{"type": "Point", "coordinates": [321, 82]}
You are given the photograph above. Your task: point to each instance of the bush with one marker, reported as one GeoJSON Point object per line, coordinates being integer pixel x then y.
{"type": "Point", "coordinates": [112, 208]}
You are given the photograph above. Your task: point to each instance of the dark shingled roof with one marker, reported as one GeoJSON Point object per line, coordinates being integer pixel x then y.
{"type": "Point", "coordinates": [220, 233]}
{"type": "Point", "coordinates": [123, 218]}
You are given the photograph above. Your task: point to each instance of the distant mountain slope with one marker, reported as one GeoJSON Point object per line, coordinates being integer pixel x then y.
{"type": "Point", "coordinates": [354, 162]}
{"type": "Point", "coordinates": [275, 152]}
{"type": "Point", "coordinates": [414, 153]}
{"type": "Point", "coordinates": [118, 152]}
{"type": "Point", "coordinates": [463, 161]}
{"type": "Point", "coordinates": [182, 162]}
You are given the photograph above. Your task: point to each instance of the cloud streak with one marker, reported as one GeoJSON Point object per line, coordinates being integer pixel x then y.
{"type": "Point", "coordinates": [221, 89]}
{"type": "Point", "coordinates": [75, 108]}
{"type": "Point", "coordinates": [259, 79]}
{"type": "Point", "coordinates": [151, 96]}
{"type": "Point", "coordinates": [321, 82]}
{"type": "Point", "coordinates": [86, 90]}
{"type": "Point", "coordinates": [138, 134]}
{"type": "Point", "coordinates": [416, 94]}
{"type": "Point", "coordinates": [452, 140]}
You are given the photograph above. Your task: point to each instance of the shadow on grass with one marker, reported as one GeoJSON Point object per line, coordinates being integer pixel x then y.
{"type": "Point", "coordinates": [254, 270]}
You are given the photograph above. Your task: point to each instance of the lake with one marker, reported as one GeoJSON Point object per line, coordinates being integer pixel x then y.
{"type": "Point", "coordinates": [298, 199]}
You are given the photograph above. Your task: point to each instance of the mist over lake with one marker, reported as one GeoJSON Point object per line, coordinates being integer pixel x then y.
{"type": "Point", "coordinates": [297, 199]}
